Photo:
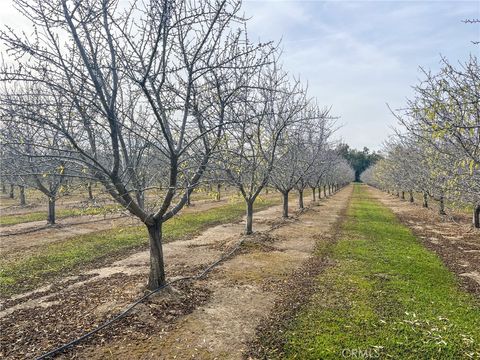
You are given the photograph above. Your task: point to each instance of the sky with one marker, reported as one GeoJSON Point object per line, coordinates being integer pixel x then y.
{"type": "Point", "coordinates": [356, 56]}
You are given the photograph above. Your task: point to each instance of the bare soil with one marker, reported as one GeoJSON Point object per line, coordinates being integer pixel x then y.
{"type": "Point", "coordinates": [210, 318]}
{"type": "Point", "coordinates": [452, 237]}
{"type": "Point", "coordinates": [23, 239]}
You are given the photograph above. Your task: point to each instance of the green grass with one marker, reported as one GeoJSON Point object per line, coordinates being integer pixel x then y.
{"type": "Point", "coordinates": [387, 297]}
{"type": "Point", "coordinates": [60, 214]}
{"type": "Point", "coordinates": [59, 258]}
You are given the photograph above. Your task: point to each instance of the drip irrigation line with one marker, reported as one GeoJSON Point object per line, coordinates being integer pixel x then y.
{"type": "Point", "coordinates": [129, 308]}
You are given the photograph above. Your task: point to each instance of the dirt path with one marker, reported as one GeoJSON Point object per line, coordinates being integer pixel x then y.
{"type": "Point", "coordinates": [208, 318]}
{"type": "Point", "coordinates": [29, 236]}
{"type": "Point", "coordinates": [456, 242]}
{"type": "Point", "coordinates": [240, 293]}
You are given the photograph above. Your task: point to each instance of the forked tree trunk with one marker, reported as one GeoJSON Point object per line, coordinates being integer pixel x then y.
{"type": "Point", "coordinates": [217, 195]}
{"type": "Point", "coordinates": [441, 206]}
{"type": "Point", "coordinates": [403, 195]}
{"type": "Point", "coordinates": [411, 196]}
{"type": "Point", "coordinates": [22, 195]}
{"type": "Point", "coordinates": [476, 216]}
{"type": "Point", "coordinates": [12, 191]}
{"type": "Point", "coordinates": [249, 226]}
{"type": "Point", "coordinates": [300, 199]}
{"type": "Point", "coordinates": [285, 204]}
{"type": "Point", "coordinates": [314, 198]}
{"type": "Point", "coordinates": [51, 210]}
{"type": "Point", "coordinates": [156, 277]}
{"type": "Point", "coordinates": [425, 200]}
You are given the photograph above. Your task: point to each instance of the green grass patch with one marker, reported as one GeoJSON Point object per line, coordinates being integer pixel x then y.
{"type": "Point", "coordinates": [387, 297]}
{"type": "Point", "coordinates": [59, 258]}
{"type": "Point", "coordinates": [60, 214]}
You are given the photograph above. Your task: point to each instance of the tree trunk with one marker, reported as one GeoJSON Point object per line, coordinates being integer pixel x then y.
{"type": "Point", "coordinates": [411, 197]}
{"type": "Point", "coordinates": [300, 199]}
{"type": "Point", "coordinates": [12, 193]}
{"type": "Point", "coordinates": [90, 193]}
{"type": "Point", "coordinates": [403, 195]}
{"type": "Point", "coordinates": [476, 216]}
{"type": "Point", "coordinates": [425, 200]}
{"type": "Point", "coordinates": [51, 210]}
{"type": "Point", "coordinates": [324, 190]}
{"type": "Point", "coordinates": [249, 226]}
{"type": "Point", "coordinates": [266, 190]}
{"type": "Point", "coordinates": [441, 207]}
{"type": "Point", "coordinates": [188, 198]}
{"type": "Point", "coordinates": [140, 194]}
{"type": "Point", "coordinates": [217, 195]}
{"type": "Point", "coordinates": [319, 192]}
{"type": "Point", "coordinates": [22, 195]}
{"type": "Point", "coordinates": [4, 188]}
{"type": "Point", "coordinates": [285, 204]}
{"type": "Point", "coordinates": [156, 277]}
{"type": "Point", "coordinates": [314, 198]}
{"type": "Point", "coordinates": [329, 190]}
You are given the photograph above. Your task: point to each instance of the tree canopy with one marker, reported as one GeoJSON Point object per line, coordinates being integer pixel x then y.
{"type": "Point", "coordinates": [359, 160]}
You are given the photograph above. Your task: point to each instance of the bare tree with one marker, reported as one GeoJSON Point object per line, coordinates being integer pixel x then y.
{"type": "Point", "coordinates": [144, 79]}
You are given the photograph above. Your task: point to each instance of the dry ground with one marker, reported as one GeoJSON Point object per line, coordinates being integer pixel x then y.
{"type": "Point", "coordinates": [23, 239]}
{"type": "Point", "coordinates": [451, 237]}
{"type": "Point", "coordinates": [208, 319]}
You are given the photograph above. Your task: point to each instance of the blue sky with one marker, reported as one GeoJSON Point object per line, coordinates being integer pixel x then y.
{"type": "Point", "coordinates": [359, 55]}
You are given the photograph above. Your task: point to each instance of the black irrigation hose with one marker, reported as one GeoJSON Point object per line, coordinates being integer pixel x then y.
{"type": "Point", "coordinates": [131, 306]}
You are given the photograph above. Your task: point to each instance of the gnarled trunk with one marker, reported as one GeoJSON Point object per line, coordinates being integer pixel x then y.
{"type": "Point", "coordinates": [285, 204]}
{"type": "Point", "coordinates": [411, 196]}
{"type": "Point", "coordinates": [476, 216]}
{"type": "Point", "coordinates": [300, 199]}
{"type": "Point", "coordinates": [249, 226]}
{"type": "Point", "coordinates": [425, 200]}
{"type": "Point", "coordinates": [156, 277]}
{"type": "Point", "coordinates": [51, 210]}
{"type": "Point", "coordinates": [22, 195]}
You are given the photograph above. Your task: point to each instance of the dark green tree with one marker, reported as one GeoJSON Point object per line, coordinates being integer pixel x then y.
{"type": "Point", "coordinates": [359, 160]}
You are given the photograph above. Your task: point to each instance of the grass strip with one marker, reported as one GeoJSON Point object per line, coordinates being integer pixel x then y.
{"type": "Point", "coordinates": [387, 297]}
{"type": "Point", "coordinates": [60, 214]}
{"type": "Point", "coordinates": [59, 258]}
